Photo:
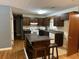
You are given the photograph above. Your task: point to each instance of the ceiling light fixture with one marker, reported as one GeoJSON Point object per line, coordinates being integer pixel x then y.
{"type": "Point", "coordinates": [42, 11]}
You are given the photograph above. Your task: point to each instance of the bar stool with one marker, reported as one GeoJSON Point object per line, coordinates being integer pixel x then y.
{"type": "Point", "coordinates": [42, 49]}
{"type": "Point", "coordinates": [52, 46]}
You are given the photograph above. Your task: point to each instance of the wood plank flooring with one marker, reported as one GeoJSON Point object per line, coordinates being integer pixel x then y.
{"type": "Point", "coordinates": [75, 56]}
{"type": "Point", "coordinates": [18, 53]}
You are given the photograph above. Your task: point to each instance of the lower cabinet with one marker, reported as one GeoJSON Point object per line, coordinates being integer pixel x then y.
{"type": "Point", "coordinates": [59, 38]}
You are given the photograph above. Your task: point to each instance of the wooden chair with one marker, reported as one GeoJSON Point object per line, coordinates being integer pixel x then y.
{"type": "Point", "coordinates": [52, 46]}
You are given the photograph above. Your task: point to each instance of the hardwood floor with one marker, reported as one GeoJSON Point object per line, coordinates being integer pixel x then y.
{"type": "Point", "coordinates": [16, 53]}
{"type": "Point", "coordinates": [75, 56]}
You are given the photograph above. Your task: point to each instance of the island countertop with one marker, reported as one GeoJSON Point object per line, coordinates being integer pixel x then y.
{"type": "Point", "coordinates": [35, 38]}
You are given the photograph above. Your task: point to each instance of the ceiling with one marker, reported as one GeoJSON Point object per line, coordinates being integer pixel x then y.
{"type": "Point", "coordinates": [31, 7]}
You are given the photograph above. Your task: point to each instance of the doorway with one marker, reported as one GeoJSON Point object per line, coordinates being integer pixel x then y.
{"type": "Point", "coordinates": [18, 26]}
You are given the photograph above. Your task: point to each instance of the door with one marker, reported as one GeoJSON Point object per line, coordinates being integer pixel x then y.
{"type": "Point", "coordinates": [73, 34]}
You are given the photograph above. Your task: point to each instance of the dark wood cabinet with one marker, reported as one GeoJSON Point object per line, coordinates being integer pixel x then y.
{"type": "Point", "coordinates": [59, 38]}
{"type": "Point", "coordinates": [33, 43]}
{"type": "Point", "coordinates": [33, 20]}
{"type": "Point", "coordinates": [46, 21]}
{"type": "Point", "coordinates": [43, 21]}
{"type": "Point", "coordinates": [40, 21]}
{"type": "Point", "coordinates": [58, 21]}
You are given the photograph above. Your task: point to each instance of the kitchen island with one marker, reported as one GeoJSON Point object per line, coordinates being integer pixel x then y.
{"type": "Point", "coordinates": [33, 43]}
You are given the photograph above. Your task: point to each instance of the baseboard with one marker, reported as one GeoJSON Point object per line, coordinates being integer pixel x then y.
{"type": "Point", "coordinates": [25, 54]}
{"type": "Point", "coordinates": [3, 49]}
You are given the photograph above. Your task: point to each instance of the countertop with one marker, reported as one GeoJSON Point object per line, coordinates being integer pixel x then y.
{"type": "Point", "coordinates": [53, 31]}
{"type": "Point", "coordinates": [35, 38]}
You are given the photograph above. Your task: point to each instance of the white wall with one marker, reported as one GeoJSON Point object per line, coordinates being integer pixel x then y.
{"type": "Point", "coordinates": [5, 27]}
{"type": "Point", "coordinates": [52, 27]}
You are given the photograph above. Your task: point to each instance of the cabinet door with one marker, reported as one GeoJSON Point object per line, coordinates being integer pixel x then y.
{"type": "Point", "coordinates": [46, 21]}
{"type": "Point", "coordinates": [43, 21]}
{"type": "Point", "coordinates": [40, 21]}
{"type": "Point", "coordinates": [26, 21]}
{"type": "Point", "coordinates": [73, 34]}
{"type": "Point", "coordinates": [59, 38]}
{"type": "Point", "coordinates": [34, 20]}
{"type": "Point", "coordinates": [58, 21]}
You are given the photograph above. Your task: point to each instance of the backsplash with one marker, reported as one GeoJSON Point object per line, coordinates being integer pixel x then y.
{"type": "Point", "coordinates": [34, 29]}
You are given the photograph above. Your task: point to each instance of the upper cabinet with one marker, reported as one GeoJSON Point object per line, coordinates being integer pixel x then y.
{"type": "Point", "coordinates": [46, 21]}
{"type": "Point", "coordinates": [59, 20]}
{"type": "Point", "coordinates": [26, 21]}
{"type": "Point", "coordinates": [33, 20]}
{"type": "Point", "coordinates": [40, 21]}
{"type": "Point", "coordinates": [43, 21]}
